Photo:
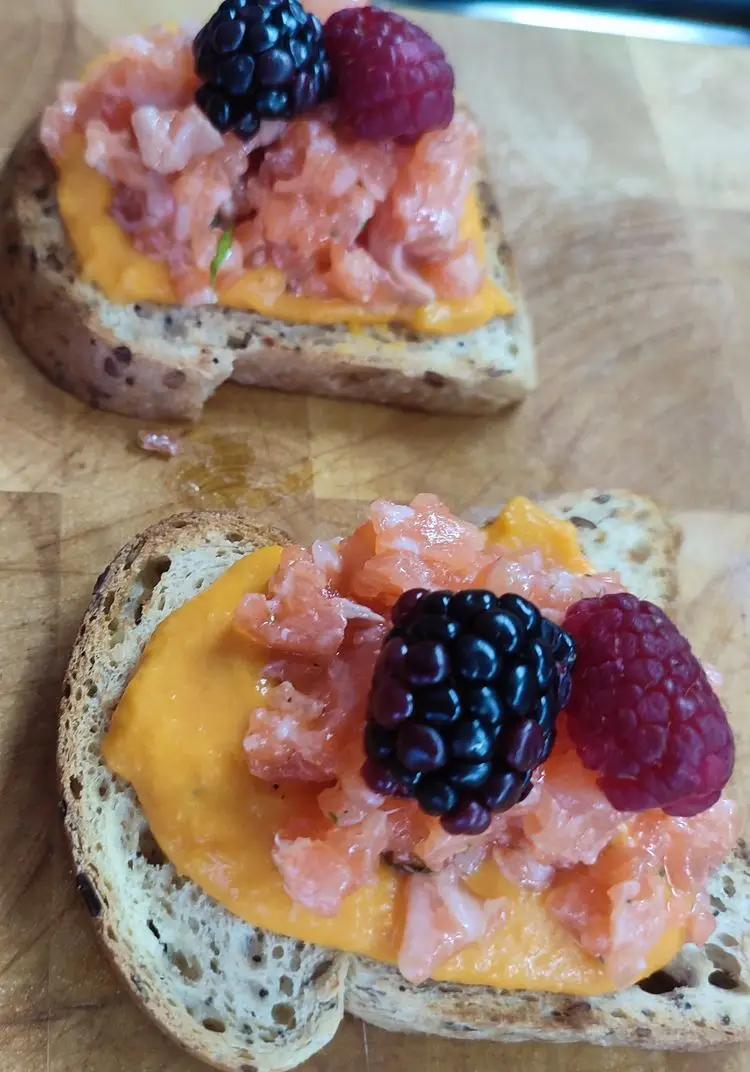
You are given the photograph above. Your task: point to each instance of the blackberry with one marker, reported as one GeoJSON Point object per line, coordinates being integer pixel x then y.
{"type": "Point", "coordinates": [464, 701]}
{"type": "Point", "coordinates": [259, 59]}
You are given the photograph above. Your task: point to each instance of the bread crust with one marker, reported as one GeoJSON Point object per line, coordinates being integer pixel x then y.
{"type": "Point", "coordinates": [153, 361]}
{"type": "Point", "coordinates": [694, 1012]}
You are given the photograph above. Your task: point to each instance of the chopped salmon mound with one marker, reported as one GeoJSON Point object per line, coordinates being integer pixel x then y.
{"type": "Point", "coordinates": [287, 737]}
{"type": "Point", "coordinates": [320, 872]}
{"type": "Point", "coordinates": [696, 846]}
{"type": "Point", "coordinates": [616, 911]}
{"type": "Point", "coordinates": [415, 231]}
{"type": "Point", "coordinates": [643, 883]}
{"type": "Point", "coordinates": [617, 882]}
{"type": "Point", "coordinates": [442, 917]}
{"type": "Point", "coordinates": [350, 800]}
{"type": "Point", "coordinates": [309, 722]}
{"type": "Point", "coordinates": [526, 575]}
{"type": "Point", "coordinates": [374, 223]}
{"type": "Point", "coordinates": [572, 821]}
{"type": "Point", "coordinates": [300, 614]}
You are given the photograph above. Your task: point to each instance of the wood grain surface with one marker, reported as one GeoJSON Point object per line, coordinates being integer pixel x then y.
{"type": "Point", "coordinates": [624, 171]}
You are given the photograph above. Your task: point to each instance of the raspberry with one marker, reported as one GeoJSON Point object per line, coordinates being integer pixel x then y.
{"type": "Point", "coordinates": [642, 712]}
{"type": "Point", "coordinates": [464, 702]}
{"type": "Point", "coordinates": [392, 79]}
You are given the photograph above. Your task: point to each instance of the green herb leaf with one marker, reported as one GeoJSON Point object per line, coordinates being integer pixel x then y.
{"type": "Point", "coordinates": [223, 249]}
{"type": "Point", "coordinates": [333, 817]}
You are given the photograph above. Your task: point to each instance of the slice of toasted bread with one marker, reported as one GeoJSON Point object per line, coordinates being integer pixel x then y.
{"type": "Point", "coordinates": [240, 997]}
{"type": "Point", "coordinates": [153, 361]}
{"type": "Point", "coordinates": [627, 533]}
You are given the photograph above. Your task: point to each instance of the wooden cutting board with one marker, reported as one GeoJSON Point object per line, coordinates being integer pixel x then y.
{"type": "Point", "coordinates": [624, 172]}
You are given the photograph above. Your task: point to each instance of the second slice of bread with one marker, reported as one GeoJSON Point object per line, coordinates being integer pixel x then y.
{"type": "Point", "coordinates": [153, 361]}
{"type": "Point", "coordinates": [240, 997]}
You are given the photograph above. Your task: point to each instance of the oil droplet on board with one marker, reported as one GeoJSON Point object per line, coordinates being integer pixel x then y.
{"type": "Point", "coordinates": [217, 470]}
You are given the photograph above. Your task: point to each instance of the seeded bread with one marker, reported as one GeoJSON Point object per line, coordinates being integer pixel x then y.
{"type": "Point", "coordinates": [243, 998]}
{"type": "Point", "coordinates": [153, 361]}
{"type": "Point", "coordinates": [628, 533]}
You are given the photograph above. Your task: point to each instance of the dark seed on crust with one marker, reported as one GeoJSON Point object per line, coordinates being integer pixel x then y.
{"type": "Point", "coordinates": [123, 354]}
{"type": "Point", "coordinates": [89, 894]}
{"type": "Point", "coordinates": [237, 342]}
{"type": "Point", "coordinates": [111, 367]}
{"type": "Point", "coordinates": [100, 580]}
{"type": "Point", "coordinates": [434, 379]}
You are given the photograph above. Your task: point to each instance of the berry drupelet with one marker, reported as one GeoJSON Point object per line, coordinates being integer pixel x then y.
{"type": "Point", "coordinates": [464, 701]}
{"type": "Point", "coordinates": [259, 59]}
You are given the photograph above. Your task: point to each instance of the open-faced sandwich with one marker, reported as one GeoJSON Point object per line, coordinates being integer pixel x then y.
{"type": "Point", "coordinates": [452, 780]}
{"type": "Point", "coordinates": [269, 200]}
